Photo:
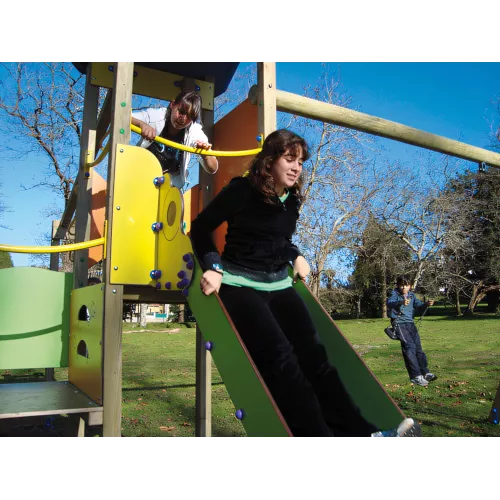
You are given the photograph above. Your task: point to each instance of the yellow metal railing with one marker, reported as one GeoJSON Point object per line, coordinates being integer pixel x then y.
{"type": "Point", "coordinates": [53, 249]}
{"type": "Point", "coordinates": [204, 152]}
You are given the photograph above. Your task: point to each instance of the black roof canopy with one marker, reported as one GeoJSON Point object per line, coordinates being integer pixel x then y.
{"type": "Point", "coordinates": [223, 72]}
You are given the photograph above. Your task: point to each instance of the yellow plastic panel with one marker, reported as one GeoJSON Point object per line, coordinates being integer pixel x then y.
{"type": "Point", "coordinates": [175, 251]}
{"type": "Point", "coordinates": [135, 210]}
{"type": "Point", "coordinates": [85, 340]}
{"type": "Point", "coordinates": [152, 83]}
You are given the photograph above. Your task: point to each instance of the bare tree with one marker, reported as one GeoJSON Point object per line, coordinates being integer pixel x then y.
{"type": "Point", "coordinates": [341, 184]}
{"type": "Point", "coordinates": [416, 212]}
{"type": "Point", "coordinates": [41, 107]}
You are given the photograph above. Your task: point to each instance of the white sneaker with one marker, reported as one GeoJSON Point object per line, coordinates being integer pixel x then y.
{"type": "Point", "coordinates": [420, 380]}
{"type": "Point", "coordinates": [400, 431]}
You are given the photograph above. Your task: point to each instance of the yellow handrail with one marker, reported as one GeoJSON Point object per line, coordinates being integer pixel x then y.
{"type": "Point", "coordinates": [55, 248]}
{"type": "Point", "coordinates": [104, 152]}
{"type": "Point", "coordinates": [204, 152]}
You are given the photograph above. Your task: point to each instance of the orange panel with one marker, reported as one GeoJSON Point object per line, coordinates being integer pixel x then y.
{"type": "Point", "coordinates": [236, 131]}
{"type": "Point", "coordinates": [98, 212]}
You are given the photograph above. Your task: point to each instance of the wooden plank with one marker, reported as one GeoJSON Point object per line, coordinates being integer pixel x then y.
{"type": "Point", "coordinates": [337, 115]}
{"type": "Point", "coordinates": [149, 295]}
{"type": "Point", "coordinates": [54, 257]}
{"type": "Point", "coordinates": [84, 193]}
{"type": "Point", "coordinates": [43, 398]}
{"type": "Point", "coordinates": [67, 216]}
{"type": "Point", "coordinates": [152, 82]}
{"type": "Point", "coordinates": [113, 294]}
{"type": "Point", "coordinates": [266, 103]}
{"type": "Point", "coordinates": [104, 119]}
{"type": "Point", "coordinates": [203, 427]}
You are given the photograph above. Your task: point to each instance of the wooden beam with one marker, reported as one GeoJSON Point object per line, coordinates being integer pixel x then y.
{"type": "Point", "coordinates": [104, 119]}
{"type": "Point", "coordinates": [67, 216]}
{"type": "Point", "coordinates": [84, 189]}
{"type": "Point", "coordinates": [337, 115]}
{"type": "Point", "coordinates": [266, 97]}
{"type": "Point", "coordinates": [203, 427]}
{"type": "Point", "coordinates": [149, 295]}
{"type": "Point", "coordinates": [113, 294]}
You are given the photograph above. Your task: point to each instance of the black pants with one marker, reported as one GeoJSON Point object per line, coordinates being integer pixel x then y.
{"type": "Point", "coordinates": [279, 334]}
{"type": "Point", "coordinates": [411, 347]}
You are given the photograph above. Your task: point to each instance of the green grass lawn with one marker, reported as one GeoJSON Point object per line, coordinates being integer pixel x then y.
{"type": "Point", "coordinates": [463, 353]}
{"type": "Point", "coordinates": [159, 377]}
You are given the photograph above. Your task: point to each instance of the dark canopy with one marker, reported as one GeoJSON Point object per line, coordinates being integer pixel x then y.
{"type": "Point", "coordinates": [222, 71]}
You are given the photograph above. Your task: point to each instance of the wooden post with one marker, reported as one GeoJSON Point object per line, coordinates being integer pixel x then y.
{"type": "Point", "coordinates": [84, 185]}
{"type": "Point", "coordinates": [54, 266]}
{"type": "Point", "coordinates": [494, 416]}
{"type": "Point", "coordinates": [266, 97]}
{"type": "Point", "coordinates": [203, 357]}
{"type": "Point", "coordinates": [113, 294]}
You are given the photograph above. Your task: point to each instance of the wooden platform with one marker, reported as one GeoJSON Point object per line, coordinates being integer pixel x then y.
{"type": "Point", "coordinates": [46, 398]}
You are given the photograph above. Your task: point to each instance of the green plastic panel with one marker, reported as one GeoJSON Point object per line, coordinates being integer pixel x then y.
{"type": "Point", "coordinates": [367, 392]}
{"type": "Point", "coordinates": [248, 393]}
{"type": "Point", "coordinates": [34, 318]}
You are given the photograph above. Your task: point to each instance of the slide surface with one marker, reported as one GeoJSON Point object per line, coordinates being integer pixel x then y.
{"type": "Point", "coordinates": [261, 417]}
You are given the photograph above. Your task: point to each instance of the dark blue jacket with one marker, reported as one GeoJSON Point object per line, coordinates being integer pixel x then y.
{"type": "Point", "coordinates": [397, 309]}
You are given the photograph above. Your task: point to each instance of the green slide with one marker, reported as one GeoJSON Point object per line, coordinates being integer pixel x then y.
{"type": "Point", "coordinates": [260, 416]}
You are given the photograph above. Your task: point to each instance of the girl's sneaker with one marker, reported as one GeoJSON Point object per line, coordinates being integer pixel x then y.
{"type": "Point", "coordinates": [420, 380]}
{"type": "Point", "coordinates": [430, 377]}
{"type": "Point", "coordinates": [403, 429]}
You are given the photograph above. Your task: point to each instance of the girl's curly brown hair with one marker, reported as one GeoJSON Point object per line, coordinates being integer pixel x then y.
{"type": "Point", "coordinates": [275, 145]}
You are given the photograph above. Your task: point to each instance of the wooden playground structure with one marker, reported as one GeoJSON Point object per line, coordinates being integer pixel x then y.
{"type": "Point", "coordinates": [137, 224]}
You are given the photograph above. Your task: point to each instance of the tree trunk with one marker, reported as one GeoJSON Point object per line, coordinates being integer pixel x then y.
{"type": "Point", "coordinates": [383, 298]}
{"type": "Point", "coordinates": [143, 319]}
{"type": "Point", "coordinates": [182, 309]}
{"type": "Point", "coordinates": [475, 297]}
{"type": "Point", "coordinates": [457, 303]}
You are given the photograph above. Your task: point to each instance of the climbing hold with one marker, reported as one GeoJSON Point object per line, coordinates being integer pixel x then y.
{"type": "Point", "coordinates": [208, 345]}
{"type": "Point", "coordinates": [157, 226]}
{"type": "Point", "coordinates": [155, 274]}
{"type": "Point", "coordinates": [158, 181]}
{"type": "Point", "coordinates": [190, 265]}
{"type": "Point", "coordinates": [158, 286]}
{"type": "Point", "coordinates": [181, 274]}
{"type": "Point", "coordinates": [168, 285]}
{"type": "Point", "coordinates": [239, 414]}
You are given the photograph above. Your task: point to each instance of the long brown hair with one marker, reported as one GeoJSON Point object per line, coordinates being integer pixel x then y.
{"type": "Point", "coordinates": [276, 145]}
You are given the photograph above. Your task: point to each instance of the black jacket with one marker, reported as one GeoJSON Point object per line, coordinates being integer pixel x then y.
{"type": "Point", "coordinates": [258, 240]}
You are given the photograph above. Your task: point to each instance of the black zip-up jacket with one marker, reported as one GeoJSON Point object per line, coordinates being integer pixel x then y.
{"type": "Point", "coordinates": [258, 240]}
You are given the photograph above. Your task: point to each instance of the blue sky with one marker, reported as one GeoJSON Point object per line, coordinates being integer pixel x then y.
{"type": "Point", "coordinates": [449, 99]}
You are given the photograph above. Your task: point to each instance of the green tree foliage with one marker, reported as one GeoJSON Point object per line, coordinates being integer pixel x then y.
{"type": "Point", "coordinates": [470, 264]}
{"type": "Point", "coordinates": [381, 256]}
{"type": "Point", "coordinates": [5, 260]}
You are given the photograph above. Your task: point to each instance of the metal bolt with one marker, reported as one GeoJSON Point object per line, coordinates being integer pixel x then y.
{"type": "Point", "coordinates": [270, 85]}
{"type": "Point", "coordinates": [121, 150]}
{"type": "Point", "coordinates": [114, 291]}
{"type": "Point", "coordinates": [116, 268]}
{"type": "Point", "coordinates": [118, 207]}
